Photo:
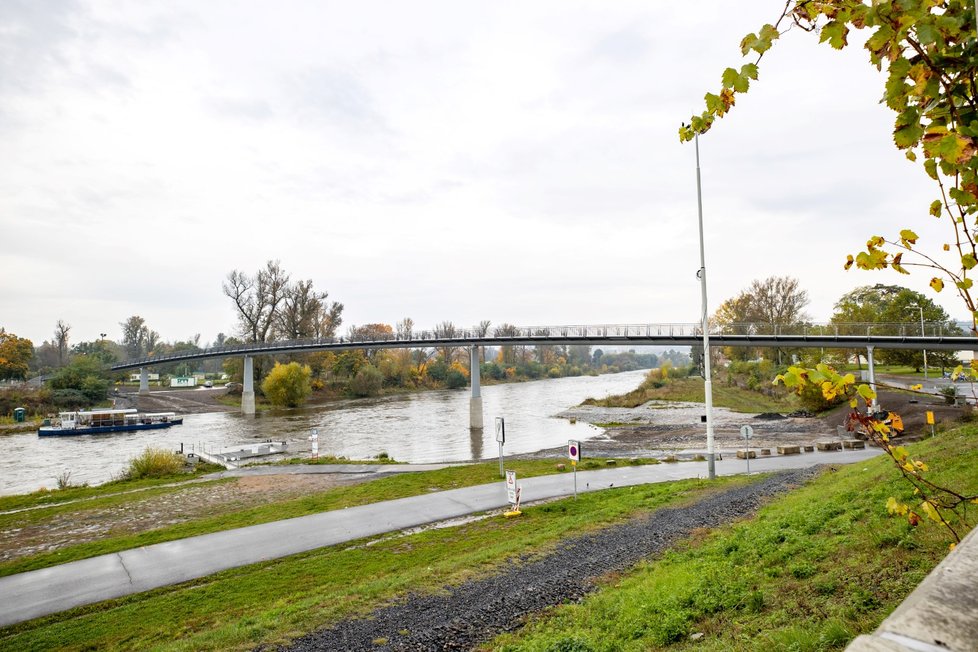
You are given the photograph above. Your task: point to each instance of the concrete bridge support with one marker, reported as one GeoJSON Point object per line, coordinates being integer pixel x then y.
{"type": "Point", "coordinates": [143, 381]}
{"type": "Point", "coordinates": [872, 376]}
{"type": "Point", "coordinates": [475, 403]}
{"type": "Point", "coordinates": [248, 386]}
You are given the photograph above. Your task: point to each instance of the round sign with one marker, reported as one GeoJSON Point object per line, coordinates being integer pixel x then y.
{"type": "Point", "coordinates": [746, 432]}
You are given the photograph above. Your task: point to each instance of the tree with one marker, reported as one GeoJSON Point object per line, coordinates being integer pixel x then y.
{"type": "Point", "coordinates": [83, 374]}
{"type": "Point", "coordinates": [898, 308]}
{"type": "Point", "coordinates": [447, 330]}
{"type": "Point", "coordinates": [105, 351]}
{"type": "Point", "coordinates": [61, 330]}
{"type": "Point", "coordinates": [15, 356]}
{"type": "Point", "coordinates": [288, 385]}
{"type": "Point", "coordinates": [137, 338]}
{"type": "Point", "coordinates": [305, 313]}
{"type": "Point", "coordinates": [257, 298]}
{"type": "Point", "coordinates": [928, 51]}
{"type": "Point", "coordinates": [765, 306]}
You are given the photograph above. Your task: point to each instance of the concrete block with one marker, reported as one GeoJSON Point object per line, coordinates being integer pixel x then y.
{"type": "Point", "coordinates": [765, 451]}
{"type": "Point", "coordinates": [809, 449]}
{"type": "Point", "coordinates": [743, 455]}
{"type": "Point", "coordinates": [789, 450]}
{"type": "Point", "coordinates": [611, 462]}
{"type": "Point", "coordinates": [828, 445]}
{"type": "Point", "coordinates": [853, 444]}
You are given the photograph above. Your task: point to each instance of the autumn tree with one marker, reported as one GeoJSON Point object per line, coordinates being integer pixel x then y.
{"type": "Point", "coordinates": [306, 313]}
{"type": "Point", "coordinates": [766, 306]}
{"type": "Point", "coordinates": [447, 330]}
{"type": "Point", "coordinates": [288, 385]}
{"type": "Point", "coordinates": [15, 356]}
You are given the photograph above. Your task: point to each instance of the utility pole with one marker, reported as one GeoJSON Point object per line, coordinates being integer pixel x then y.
{"type": "Point", "coordinates": [707, 382]}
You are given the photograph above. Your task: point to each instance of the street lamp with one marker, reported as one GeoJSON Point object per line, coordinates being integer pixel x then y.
{"type": "Point", "coordinates": [921, 334]}
{"type": "Point", "coordinates": [701, 274]}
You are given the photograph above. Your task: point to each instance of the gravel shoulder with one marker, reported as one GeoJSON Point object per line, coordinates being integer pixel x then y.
{"type": "Point", "coordinates": [464, 616]}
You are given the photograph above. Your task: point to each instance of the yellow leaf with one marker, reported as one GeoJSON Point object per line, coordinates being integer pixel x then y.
{"type": "Point", "coordinates": [952, 546]}
{"type": "Point", "coordinates": [920, 465]}
{"type": "Point", "coordinates": [930, 511]}
{"type": "Point", "coordinates": [937, 284]}
{"type": "Point", "coordinates": [917, 387]}
{"type": "Point", "coordinates": [849, 261]}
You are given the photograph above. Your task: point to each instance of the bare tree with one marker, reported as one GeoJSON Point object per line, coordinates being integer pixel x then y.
{"type": "Point", "coordinates": [482, 330]}
{"type": "Point", "coordinates": [447, 330]}
{"type": "Point", "coordinates": [61, 330]}
{"type": "Point", "coordinates": [257, 299]}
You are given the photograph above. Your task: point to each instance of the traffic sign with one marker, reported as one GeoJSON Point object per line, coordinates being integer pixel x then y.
{"type": "Point", "coordinates": [746, 432]}
{"type": "Point", "coordinates": [501, 430]}
{"type": "Point", "coordinates": [574, 450]}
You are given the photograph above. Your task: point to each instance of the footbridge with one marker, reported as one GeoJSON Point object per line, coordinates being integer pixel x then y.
{"type": "Point", "coordinates": [868, 336]}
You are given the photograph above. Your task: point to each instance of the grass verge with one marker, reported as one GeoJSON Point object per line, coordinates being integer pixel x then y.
{"type": "Point", "coordinates": [274, 601]}
{"type": "Point", "coordinates": [811, 571]}
{"type": "Point", "coordinates": [384, 488]}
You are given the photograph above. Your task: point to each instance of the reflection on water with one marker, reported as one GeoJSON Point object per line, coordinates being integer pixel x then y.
{"type": "Point", "coordinates": [420, 427]}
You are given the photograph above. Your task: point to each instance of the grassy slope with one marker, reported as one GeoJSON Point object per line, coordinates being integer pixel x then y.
{"type": "Point", "coordinates": [691, 389]}
{"type": "Point", "coordinates": [276, 600]}
{"type": "Point", "coordinates": [811, 571]}
{"type": "Point", "coordinates": [387, 488]}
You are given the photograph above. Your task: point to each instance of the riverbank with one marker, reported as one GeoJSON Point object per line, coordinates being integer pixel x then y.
{"type": "Point", "coordinates": [822, 563]}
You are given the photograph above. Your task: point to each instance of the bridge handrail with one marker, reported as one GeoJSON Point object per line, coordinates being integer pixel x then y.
{"type": "Point", "coordinates": [531, 334]}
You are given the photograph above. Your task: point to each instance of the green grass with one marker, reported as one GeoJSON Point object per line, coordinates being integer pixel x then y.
{"type": "Point", "coordinates": [811, 571]}
{"type": "Point", "coordinates": [385, 488]}
{"type": "Point", "coordinates": [274, 601]}
{"type": "Point", "coordinates": [691, 390]}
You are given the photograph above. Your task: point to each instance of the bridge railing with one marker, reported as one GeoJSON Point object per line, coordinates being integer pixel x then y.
{"type": "Point", "coordinates": [437, 337]}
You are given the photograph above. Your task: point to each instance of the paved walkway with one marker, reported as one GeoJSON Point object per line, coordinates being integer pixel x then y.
{"type": "Point", "coordinates": [50, 590]}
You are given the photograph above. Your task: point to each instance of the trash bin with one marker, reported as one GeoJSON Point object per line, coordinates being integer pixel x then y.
{"type": "Point", "coordinates": [20, 414]}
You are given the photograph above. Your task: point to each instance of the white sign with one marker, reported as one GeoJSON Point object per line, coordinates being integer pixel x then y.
{"type": "Point", "coordinates": [574, 450]}
{"type": "Point", "coordinates": [511, 486]}
{"type": "Point", "coordinates": [315, 444]}
{"type": "Point", "coordinates": [500, 430]}
{"type": "Point", "coordinates": [746, 432]}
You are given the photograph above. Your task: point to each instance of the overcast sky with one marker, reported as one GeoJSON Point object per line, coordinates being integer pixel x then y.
{"type": "Point", "coordinates": [461, 161]}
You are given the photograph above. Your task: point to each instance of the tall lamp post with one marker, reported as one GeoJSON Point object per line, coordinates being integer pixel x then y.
{"type": "Point", "coordinates": [920, 308]}
{"type": "Point", "coordinates": [707, 382]}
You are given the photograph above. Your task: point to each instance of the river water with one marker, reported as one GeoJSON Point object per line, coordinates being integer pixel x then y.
{"type": "Point", "coordinates": [422, 427]}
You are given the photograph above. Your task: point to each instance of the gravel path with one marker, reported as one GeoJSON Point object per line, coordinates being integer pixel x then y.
{"type": "Point", "coordinates": [475, 611]}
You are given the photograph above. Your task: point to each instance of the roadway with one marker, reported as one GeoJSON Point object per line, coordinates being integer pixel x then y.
{"type": "Point", "coordinates": [58, 588]}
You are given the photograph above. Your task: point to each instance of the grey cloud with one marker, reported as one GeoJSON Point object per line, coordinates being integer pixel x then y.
{"type": "Point", "coordinates": [31, 36]}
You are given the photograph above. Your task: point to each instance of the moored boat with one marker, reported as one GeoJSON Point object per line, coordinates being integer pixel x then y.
{"type": "Point", "coordinates": [93, 422]}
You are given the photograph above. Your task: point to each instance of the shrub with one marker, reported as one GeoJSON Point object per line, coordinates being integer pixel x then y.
{"type": "Point", "coordinates": [367, 382]}
{"type": "Point", "coordinates": [455, 379]}
{"type": "Point", "coordinates": [288, 385]}
{"type": "Point", "coordinates": [154, 463]}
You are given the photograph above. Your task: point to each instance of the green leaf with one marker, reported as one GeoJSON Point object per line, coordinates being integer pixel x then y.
{"type": "Point", "coordinates": [965, 284]}
{"type": "Point", "coordinates": [908, 237]}
{"type": "Point", "coordinates": [749, 70]}
{"type": "Point", "coordinates": [935, 208]}
{"type": "Point", "coordinates": [835, 32]}
{"type": "Point", "coordinates": [968, 261]}
{"type": "Point", "coordinates": [930, 167]}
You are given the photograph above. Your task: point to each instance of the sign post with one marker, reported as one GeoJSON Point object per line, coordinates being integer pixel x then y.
{"type": "Point", "coordinates": [501, 438]}
{"type": "Point", "coordinates": [930, 422]}
{"type": "Point", "coordinates": [315, 444]}
{"type": "Point", "coordinates": [574, 453]}
{"type": "Point", "coordinates": [747, 432]}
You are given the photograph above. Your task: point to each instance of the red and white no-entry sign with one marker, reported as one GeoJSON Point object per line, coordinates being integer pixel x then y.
{"type": "Point", "coordinates": [574, 450]}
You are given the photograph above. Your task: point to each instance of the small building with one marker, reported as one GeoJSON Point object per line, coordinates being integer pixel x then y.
{"type": "Point", "coordinates": [183, 381]}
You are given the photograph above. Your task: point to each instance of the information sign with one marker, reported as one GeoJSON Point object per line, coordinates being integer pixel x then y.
{"type": "Point", "coordinates": [746, 432]}
{"type": "Point", "coordinates": [511, 487]}
{"type": "Point", "coordinates": [501, 430]}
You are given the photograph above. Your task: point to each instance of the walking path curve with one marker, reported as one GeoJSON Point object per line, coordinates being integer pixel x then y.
{"type": "Point", "coordinates": [50, 590]}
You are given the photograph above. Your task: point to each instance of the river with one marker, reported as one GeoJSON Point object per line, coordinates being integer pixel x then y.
{"type": "Point", "coordinates": [418, 427]}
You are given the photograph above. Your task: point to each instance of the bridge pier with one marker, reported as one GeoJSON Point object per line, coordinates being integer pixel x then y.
{"type": "Point", "coordinates": [143, 381]}
{"type": "Point", "coordinates": [248, 386]}
{"type": "Point", "coordinates": [872, 376]}
{"type": "Point", "coordinates": [475, 403]}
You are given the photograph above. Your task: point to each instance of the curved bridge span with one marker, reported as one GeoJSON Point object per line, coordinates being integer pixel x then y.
{"type": "Point", "coordinates": [835, 336]}
{"type": "Point", "coordinates": [829, 336]}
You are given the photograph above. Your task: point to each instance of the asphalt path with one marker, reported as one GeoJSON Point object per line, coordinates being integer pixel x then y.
{"type": "Point", "coordinates": [58, 588]}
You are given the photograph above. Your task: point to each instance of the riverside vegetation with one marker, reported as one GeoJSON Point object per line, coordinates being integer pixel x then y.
{"type": "Point", "coordinates": [810, 571]}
